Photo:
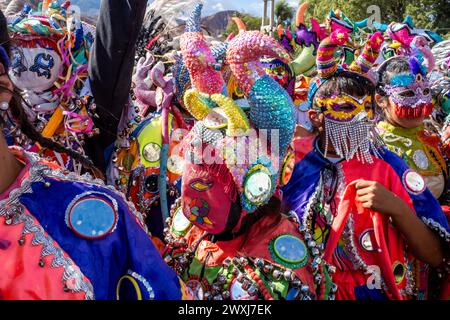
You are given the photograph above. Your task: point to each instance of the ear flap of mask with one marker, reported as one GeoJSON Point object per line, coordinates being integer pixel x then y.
{"type": "Point", "coordinates": [259, 184]}
{"type": "Point", "coordinates": [287, 168]}
{"type": "Point", "coordinates": [150, 141]}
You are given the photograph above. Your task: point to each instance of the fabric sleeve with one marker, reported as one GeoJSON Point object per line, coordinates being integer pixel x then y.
{"type": "Point", "coordinates": [111, 67]}
{"type": "Point", "coordinates": [426, 206]}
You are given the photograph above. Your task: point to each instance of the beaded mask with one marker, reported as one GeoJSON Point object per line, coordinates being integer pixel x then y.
{"type": "Point", "coordinates": [411, 95]}
{"type": "Point", "coordinates": [281, 73]}
{"type": "Point", "coordinates": [410, 91]}
{"type": "Point", "coordinates": [344, 107]}
{"type": "Point", "coordinates": [349, 124]}
{"type": "Point", "coordinates": [44, 44]}
{"type": "Point", "coordinates": [226, 176]}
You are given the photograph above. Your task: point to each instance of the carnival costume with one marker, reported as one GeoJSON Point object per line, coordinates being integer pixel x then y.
{"type": "Point", "coordinates": [146, 164]}
{"type": "Point", "coordinates": [50, 52]}
{"type": "Point", "coordinates": [370, 257]}
{"type": "Point", "coordinates": [63, 236]}
{"type": "Point", "coordinates": [412, 95]}
{"type": "Point", "coordinates": [218, 241]}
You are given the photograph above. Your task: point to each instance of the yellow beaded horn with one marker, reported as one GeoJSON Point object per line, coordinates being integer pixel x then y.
{"type": "Point", "coordinates": [238, 123]}
{"type": "Point", "coordinates": [196, 107]}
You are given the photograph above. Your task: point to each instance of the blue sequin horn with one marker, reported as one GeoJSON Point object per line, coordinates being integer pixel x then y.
{"type": "Point", "coordinates": [271, 107]}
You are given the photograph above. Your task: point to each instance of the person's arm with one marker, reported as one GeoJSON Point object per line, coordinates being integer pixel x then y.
{"type": "Point", "coordinates": [111, 67]}
{"type": "Point", "coordinates": [423, 242]}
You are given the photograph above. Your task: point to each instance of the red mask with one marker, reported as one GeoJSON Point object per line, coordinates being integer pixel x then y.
{"type": "Point", "coordinates": [210, 198]}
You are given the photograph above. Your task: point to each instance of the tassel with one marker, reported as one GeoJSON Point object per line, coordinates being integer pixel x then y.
{"type": "Point", "coordinates": [53, 124]}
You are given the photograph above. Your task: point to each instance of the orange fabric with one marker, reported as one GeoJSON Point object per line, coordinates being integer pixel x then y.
{"type": "Point", "coordinates": [21, 277]}
{"type": "Point", "coordinates": [266, 229]}
{"type": "Point", "coordinates": [158, 244]}
{"type": "Point", "coordinates": [254, 244]}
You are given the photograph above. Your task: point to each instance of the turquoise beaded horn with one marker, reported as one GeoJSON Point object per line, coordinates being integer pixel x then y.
{"type": "Point", "coordinates": [271, 107]}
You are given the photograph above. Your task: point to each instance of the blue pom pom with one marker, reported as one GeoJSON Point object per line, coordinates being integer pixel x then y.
{"type": "Point", "coordinates": [402, 80]}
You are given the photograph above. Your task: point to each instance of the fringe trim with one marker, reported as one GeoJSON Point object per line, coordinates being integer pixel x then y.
{"type": "Point", "coordinates": [410, 112]}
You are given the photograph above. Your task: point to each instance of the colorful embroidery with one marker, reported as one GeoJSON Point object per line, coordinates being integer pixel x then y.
{"type": "Point", "coordinates": [199, 210]}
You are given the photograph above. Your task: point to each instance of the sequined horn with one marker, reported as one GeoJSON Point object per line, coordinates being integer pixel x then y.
{"type": "Point", "coordinates": [198, 57]}
{"type": "Point", "coordinates": [240, 24]}
{"type": "Point", "coordinates": [196, 104]}
{"type": "Point", "coordinates": [238, 123]}
{"type": "Point", "coordinates": [300, 15]}
{"type": "Point", "coordinates": [270, 105]}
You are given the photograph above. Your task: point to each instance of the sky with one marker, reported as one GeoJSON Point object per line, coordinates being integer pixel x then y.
{"type": "Point", "coordinates": [253, 7]}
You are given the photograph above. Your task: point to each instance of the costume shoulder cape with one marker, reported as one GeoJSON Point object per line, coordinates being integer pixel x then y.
{"type": "Point", "coordinates": [108, 255]}
{"type": "Point", "coordinates": [306, 176]}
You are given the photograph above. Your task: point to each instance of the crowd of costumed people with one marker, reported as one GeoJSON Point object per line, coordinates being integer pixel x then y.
{"type": "Point", "coordinates": [308, 163]}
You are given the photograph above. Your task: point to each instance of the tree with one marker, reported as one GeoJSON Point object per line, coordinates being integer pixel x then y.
{"type": "Point", "coordinates": [428, 14]}
{"type": "Point", "coordinates": [284, 13]}
{"type": "Point", "coordinates": [251, 22]}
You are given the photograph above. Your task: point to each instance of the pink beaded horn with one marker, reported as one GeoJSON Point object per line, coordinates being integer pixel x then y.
{"type": "Point", "coordinates": [198, 57]}
{"type": "Point", "coordinates": [244, 53]}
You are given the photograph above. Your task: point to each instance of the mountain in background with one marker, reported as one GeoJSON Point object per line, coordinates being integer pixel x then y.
{"type": "Point", "coordinates": [217, 23]}
{"type": "Point", "coordinates": [214, 24]}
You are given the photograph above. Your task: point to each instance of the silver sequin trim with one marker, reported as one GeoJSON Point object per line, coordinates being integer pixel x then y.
{"type": "Point", "coordinates": [437, 227]}
{"type": "Point", "coordinates": [11, 209]}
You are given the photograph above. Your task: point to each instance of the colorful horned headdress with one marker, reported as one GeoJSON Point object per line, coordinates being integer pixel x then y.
{"type": "Point", "coordinates": [410, 91]}
{"type": "Point", "coordinates": [226, 174]}
{"type": "Point", "coordinates": [347, 119]}
{"type": "Point", "coordinates": [440, 78]}
{"type": "Point", "coordinates": [303, 43]}
{"type": "Point", "coordinates": [50, 53]}
{"type": "Point", "coordinates": [401, 35]}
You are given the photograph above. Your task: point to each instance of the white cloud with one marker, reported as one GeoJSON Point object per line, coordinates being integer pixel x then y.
{"type": "Point", "coordinates": [218, 7]}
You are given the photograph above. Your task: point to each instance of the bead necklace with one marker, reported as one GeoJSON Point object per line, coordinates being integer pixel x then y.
{"type": "Point", "coordinates": [252, 278]}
